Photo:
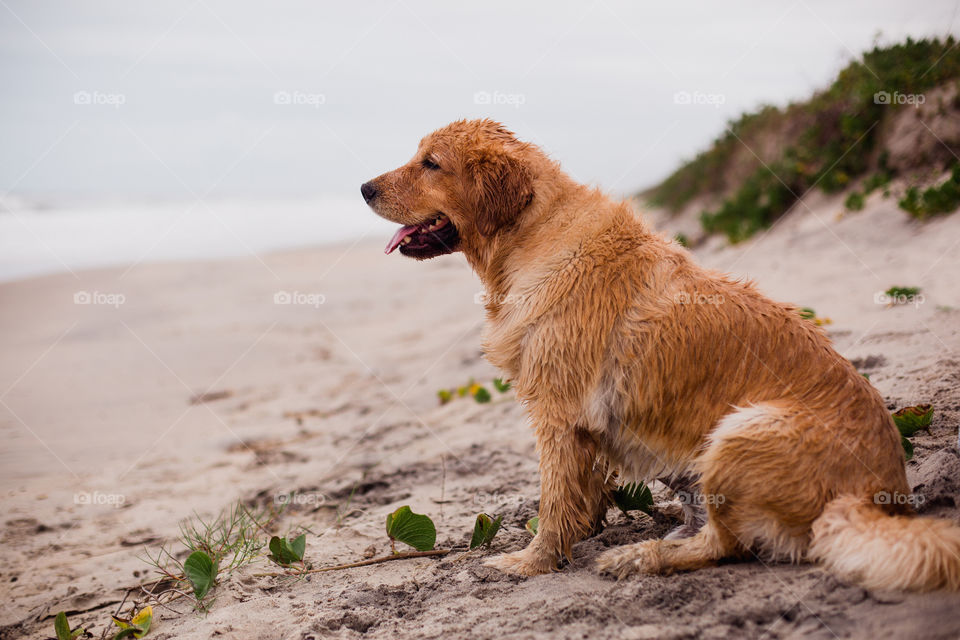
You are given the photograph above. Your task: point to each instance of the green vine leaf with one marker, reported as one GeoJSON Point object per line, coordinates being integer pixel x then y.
{"type": "Point", "coordinates": [533, 524]}
{"type": "Point", "coordinates": [411, 528]}
{"type": "Point", "coordinates": [907, 447]}
{"type": "Point", "coordinates": [909, 420]}
{"type": "Point", "coordinates": [633, 497]}
{"type": "Point", "coordinates": [201, 571]}
{"type": "Point", "coordinates": [284, 551]}
{"type": "Point", "coordinates": [481, 395]}
{"type": "Point", "coordinates": [484, 530]}
{"type": "Point", "coordinates": [61, 627]}
{"type": "Point", "coordinates": [137, 627]}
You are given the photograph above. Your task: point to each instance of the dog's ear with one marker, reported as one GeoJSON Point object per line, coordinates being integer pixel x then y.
{"type": "Point", "coordinates": [498, 188]}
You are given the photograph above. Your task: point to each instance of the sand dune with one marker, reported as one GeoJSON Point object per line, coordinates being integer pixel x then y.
{"type": "Point", "coordinates": [315, 372]}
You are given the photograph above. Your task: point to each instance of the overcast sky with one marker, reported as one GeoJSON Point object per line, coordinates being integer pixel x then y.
{"type": "Point", "coordinates": [289, 98]}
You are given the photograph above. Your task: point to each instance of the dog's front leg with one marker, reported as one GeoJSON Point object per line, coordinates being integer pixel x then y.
{"type": "Point", "coordinates": [573, 500]}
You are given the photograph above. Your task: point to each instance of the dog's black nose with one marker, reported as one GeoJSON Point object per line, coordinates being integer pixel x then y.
{"type": "Point", "coordinates": [369, 191]}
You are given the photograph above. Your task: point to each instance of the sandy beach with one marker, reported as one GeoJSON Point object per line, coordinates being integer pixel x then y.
{"type": "Point", "coordinates": [134, 399]}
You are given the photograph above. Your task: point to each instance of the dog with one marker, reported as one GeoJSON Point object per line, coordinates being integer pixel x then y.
{"type": "Point", "coordinates": [635, 363]}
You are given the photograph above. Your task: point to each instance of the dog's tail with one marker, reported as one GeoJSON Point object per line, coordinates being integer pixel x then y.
{"type": "Point", "coordinates": [857, 540]}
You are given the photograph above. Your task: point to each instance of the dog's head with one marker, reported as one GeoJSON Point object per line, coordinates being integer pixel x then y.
{"type": "Point", "coordinates": [468, 181]}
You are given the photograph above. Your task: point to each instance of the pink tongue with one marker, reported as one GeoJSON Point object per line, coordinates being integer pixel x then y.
{"type": "Point", "coordinates": [398, 237]}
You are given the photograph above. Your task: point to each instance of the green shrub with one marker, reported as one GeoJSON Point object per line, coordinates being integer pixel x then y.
{"type": "Point", "coordinates": [943, 198]}
{"type": "Point", "coordinates": [827, 142]}
{"type": "Point", "coordinates": [877, 180]}
{"type": "Point", "coordinates": [854, 201]}
{"type": "Point", "coordinates": [754, 206]}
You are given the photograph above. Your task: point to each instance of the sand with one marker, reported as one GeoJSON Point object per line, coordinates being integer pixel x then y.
{"type": "Point", "coordinates": [333, 397]}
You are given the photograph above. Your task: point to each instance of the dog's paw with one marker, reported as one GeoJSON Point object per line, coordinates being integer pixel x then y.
{"type": "Point", "coordinates": [635, 558]}
{"type": "Point", "coordinates": [522, 563]}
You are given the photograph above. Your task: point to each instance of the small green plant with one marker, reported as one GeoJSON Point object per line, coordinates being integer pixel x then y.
{"type": "Point", "coordinates": [907, 447]}
{"type": "Point", "coordinates": [633, 497]}
{"type": "Point", "coordinates": [414, 529]}
{"type": "Point", "coordinates": [136, 627]}
{"type": "Point", "coordinates": [481, 395]}
{"type": "Point", "coordinates": [200, 571]}
{"type": "Point", "coordinates": [942, 198]}
{"type": "Point", "coordinates": [484, 530]}
{"type": "Point", "coordinates": [909, 420]}
{"type": "Point", "coordinates": [62, 628]}
{"type": "Point", "coordinates": [855, 201]}
{"type": "Point", "coordinates": [902, 292]}
{"type": "Point", "coordinates": [216, 547]}
{"type": "Point", "coordinates": [533, 524]}
{"type": "Point", "coordinates": [681, 239]}
{"type": "Point", "coordinates": [285, 552]}
{"type": "Point", "coordinates": [473, 389]}
{"type": "Point", "coordinates": [807, 313]}
{"type": "Point", "coordinates": [900, 295]}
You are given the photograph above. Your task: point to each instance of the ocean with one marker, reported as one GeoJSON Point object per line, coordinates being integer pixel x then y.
{"type": "Point", "coordinates": [49, 236]}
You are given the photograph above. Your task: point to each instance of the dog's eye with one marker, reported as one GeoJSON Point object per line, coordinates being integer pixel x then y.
{"type": "Point", "coordinates": [430, 164]}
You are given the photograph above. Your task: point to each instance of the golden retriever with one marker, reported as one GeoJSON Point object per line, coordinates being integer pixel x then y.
{"type": "Point", "coordinates": [635, 363]}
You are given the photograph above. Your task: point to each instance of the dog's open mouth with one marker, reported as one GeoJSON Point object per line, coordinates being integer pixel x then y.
{"type": "Point", "coordinates": [435, 237]}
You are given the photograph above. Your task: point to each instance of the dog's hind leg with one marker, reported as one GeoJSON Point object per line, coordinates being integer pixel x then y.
{"type": "Point", "coordinates": [691, 549]}
{"type": "Point", "coordinates": [743, 485]}
{"type": "Point", "coordinates": [710, 544]}
{"type": "Point", "coordinates": [684, 487]}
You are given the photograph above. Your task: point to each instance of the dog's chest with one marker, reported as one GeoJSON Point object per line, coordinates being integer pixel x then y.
{"type": "Point", "coordinates": [503, 338]}
{"type": "Point", "coordinates": [628, 447]}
